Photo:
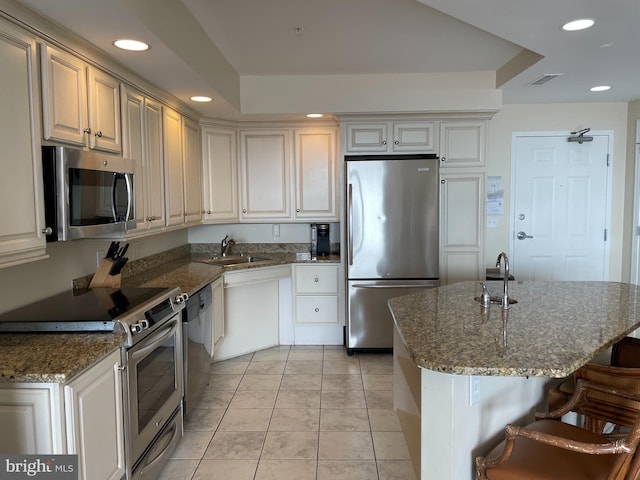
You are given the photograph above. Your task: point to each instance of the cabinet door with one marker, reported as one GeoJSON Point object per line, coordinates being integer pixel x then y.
{"type": "Point", "coordinates": [265, 175]}
{"type": "Point", "coordinates": [28, 420]}
{"type": "Point", "coordinates": [217, 291]}
{"type": "Point", "coordinates": [174, 180]}
{"type": "Point", "coordinates": [414, 137]}
{"type": "Point", "coordinates": [93, 406]}
{"type": "Point", "coordinates": [462, 144]}
{"type": "Point", "coordinates": [133, 147]}
{"type": "Point", "coordinates": [64, 96]}
{"type": "Point", "coordinates": [462, 227]}
{"type": "Point", "coordinates": [220, 175]}
{"type": "Point", "coordinates": [192, 165]}
{"type": "Point", "coordinates": [317, 309]}
{"type": "Point", "coordinates": [104, 111]}
{"type": "Point", "coordinates": [154, 166]}
{"type": "Point", "coordinates": [367, 137]}
{"type": "Point", "coordinates": [22, 212]}
{"type": "Point", "coordinates": [315, 161]}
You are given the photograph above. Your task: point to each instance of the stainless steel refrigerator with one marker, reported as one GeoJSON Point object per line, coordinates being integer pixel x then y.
{"type": "Point", "coordinates": [392, 240]}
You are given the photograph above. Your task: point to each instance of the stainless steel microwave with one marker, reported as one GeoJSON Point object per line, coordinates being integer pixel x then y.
{"type": "Point", "coordinates": [86, 193]}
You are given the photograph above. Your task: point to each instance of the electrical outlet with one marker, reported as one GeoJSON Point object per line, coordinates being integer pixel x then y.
{"type": "Point", "coordinates": [474, 390]}
{"type": "Point", "coordinates": [276, 232]}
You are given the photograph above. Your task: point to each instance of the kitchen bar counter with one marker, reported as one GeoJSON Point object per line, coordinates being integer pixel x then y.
{"type": "Point", "coordinates": [52, 357]}
{"type": "Point", "coordinates": [554, 328]}
{"type": "Point", "coordinates": [462, 373]}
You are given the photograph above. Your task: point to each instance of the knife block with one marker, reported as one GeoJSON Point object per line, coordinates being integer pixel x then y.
{"type": "Point", "coordinates": [102, 278]}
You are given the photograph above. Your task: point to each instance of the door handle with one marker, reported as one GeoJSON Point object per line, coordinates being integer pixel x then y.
{"type": "Point", "coordinates": [522, 236]}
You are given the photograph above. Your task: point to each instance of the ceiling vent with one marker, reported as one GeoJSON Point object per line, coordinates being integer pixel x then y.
{"type": "Point", "coordinates": [545, 78]}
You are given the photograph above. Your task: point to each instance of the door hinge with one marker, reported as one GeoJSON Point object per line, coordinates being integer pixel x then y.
{"type": "Point", "coordinates": [605, 234]}
{"type": "Point", "coordinates": [608, 160]}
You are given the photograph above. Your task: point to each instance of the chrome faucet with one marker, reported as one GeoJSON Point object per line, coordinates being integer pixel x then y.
{"type": "Point", "coordinates": [505, 293]}
{"type": "Point", "coordinates": [225, 244]}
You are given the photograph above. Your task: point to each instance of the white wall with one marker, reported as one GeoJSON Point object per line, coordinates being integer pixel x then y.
{"type": "Point", "coordinates": [565, 118]}
{"type": "Point", "coordinates": [26, 283]}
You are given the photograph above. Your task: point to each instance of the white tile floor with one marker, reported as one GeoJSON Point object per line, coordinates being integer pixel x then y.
{"type": "Point", "coordinates": [295, 413]}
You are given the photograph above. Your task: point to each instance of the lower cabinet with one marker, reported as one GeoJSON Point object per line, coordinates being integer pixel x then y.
{"type": "Point", "coordinates": [316, 317]}
{"type": "Point", "coordinates": [84, 417]}
{"type": "Point", "coordinates": [251, 311]}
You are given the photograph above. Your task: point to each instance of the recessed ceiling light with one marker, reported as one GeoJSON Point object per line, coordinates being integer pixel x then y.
{"type": "Point", "coordinates": [315, 115]}
{"type": "Point", "coordinates": [131, 45]}
{"type": "Point", "coordinates": [201, 98]}
{"type": "Point", "coordinates": [579, 24]}
{"type": "Point", "coordinates": [601, 88]}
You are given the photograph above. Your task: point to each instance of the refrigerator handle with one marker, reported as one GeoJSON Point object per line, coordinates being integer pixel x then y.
{"type": "Point", "coordinates": [350, 220]}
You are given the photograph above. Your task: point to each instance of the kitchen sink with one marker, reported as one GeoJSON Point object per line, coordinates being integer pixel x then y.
{"type": "Point", "coordinates": [234, 260]}
{"type": "Point", "coordinates": [498, 299]}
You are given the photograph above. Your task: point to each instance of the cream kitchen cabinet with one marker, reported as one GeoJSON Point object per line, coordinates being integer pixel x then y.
{"type": "Point", "coordinates": [462, 213]}
{"type": "Point", "coordinates": [220, 174]}
{"type": "Point", "coordinates": [80, 103]}
{"type": "Point", "coordinates": [84, 417]}
{"type": "Point", "coordinates": [315, 174]}
{"type": "Point", "coordinates": [142, 141]}
{"type": "Point", "coordinates": [316, 316]}
{"type": "Point", "coordinates": [95, 420]}
{"type": "Point", "coordinates": [462, 143]}
{"type": "Point", "coordinates": [22, 213]}
{"type": "Point", "coordinates": [392, 137]}
{"type": "Point", "coordinates": [265, 175]}
{"type": "Point", "coordinates": [182, 169]}
{"type": "Point", "coordinates": [251, 310]}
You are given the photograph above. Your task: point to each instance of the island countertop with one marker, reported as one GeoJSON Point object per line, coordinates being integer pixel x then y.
{"type": "Point", "coordinates": [553, 329]}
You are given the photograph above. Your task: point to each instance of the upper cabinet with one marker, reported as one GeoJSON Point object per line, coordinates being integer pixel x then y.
{"type": "Point", "coordinates": [22, 212]}
{"type": "Point", "coordinates": [392, 137]}
{"type": "Point", "coordinates": [80, 103]}
{"type": "Point", "coordinates": [265, 174]}
{"type": "Point", "coordinates": [462, 143]}
{"type": "Point", "coordinates": [220, 174]}
{"type": "Point", "coordinates": [182, 169]}
{"type": "Point", "coordinates": [142, 141]}
{"type": "Point", "coordinates": [281, 168]}
{"type": "Point", "coordinates": [316, 181]}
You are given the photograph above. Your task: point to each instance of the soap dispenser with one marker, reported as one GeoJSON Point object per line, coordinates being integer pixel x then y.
{"type": "Point", "coordinates": [485, 298]}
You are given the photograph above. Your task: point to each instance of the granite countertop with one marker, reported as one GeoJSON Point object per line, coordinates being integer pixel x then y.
{"type": "Point", "coordinates": [553, 329]}
{"type": "Point", "coordinates": [191, 273]}
{"type": "Point", "coordinates": [52, 357]}
{"type": "Point", "coordinates": [58, 357]}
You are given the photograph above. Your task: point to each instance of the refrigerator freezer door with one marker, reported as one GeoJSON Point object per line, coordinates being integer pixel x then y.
{"type": "Point", "coordinates": [370, 322]}
{"type": "Point", "coordinates": [392, 219]}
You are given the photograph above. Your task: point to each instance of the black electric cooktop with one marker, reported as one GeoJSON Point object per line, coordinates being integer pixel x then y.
{"type": "Point", "coordinates": [99, 309]}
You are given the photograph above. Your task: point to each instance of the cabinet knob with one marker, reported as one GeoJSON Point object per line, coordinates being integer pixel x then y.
{"type": "Point", "coordinates": [396, 142]}
{"type": "Point", "coordinates": [316, 279]}
{"type": "Point", "coordinates": [384, 142]}
{"type": "Point", "coordinates": [47, 230]}
{"type": "Point", "coordinates": [99, 133]}
{"type": "Point", "coordinates": [208, 212]}
{"type": "Point", "coordinates": [443, 159]}
{"type": "Point", "coordinates": [442, 181]}
{"type": "Point", "coordinates": [297, 210]}
{"type": "Point", "coordinates": [87, 130]}
{"type": "Point", "coordinates": [244, 210]}
{"type": "Point", "coordinates": [317, 309]}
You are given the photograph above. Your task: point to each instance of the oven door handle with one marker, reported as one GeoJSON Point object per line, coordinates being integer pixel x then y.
{"type": "Point", "coordinates": [156, 340]}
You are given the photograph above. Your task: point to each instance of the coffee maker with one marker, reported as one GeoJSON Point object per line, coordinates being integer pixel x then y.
{"type": "Point", "coordinates": [320, 242]}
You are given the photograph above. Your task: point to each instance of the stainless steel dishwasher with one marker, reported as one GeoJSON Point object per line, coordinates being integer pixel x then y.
{"type": "Point", "coordinates": [197, 320]}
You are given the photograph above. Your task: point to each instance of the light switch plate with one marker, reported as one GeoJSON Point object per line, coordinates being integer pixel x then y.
{"type": "Point", "coordinates": [492, 223]}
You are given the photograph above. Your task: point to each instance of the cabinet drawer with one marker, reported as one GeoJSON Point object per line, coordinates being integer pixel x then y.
{"type": "Point", "coordinates": [317, 309]}
{"type": "Point", "coordinates": [316, 279]}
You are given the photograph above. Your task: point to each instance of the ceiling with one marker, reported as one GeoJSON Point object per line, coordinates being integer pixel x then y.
{"type": "Point", "coordinates": [208, 47]}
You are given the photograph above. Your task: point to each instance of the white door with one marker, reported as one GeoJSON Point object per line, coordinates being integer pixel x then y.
{"type": "Point", "coordinates": [560, 208]}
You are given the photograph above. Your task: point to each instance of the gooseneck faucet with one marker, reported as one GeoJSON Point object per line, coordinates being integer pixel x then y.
{"type": "Point", "coordinates": [225, 244]}
{"type": "Point", "coordinates": [505, 292]}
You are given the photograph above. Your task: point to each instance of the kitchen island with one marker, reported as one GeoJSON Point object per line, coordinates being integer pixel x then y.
{"type": "Point", "coordinates": [462, 372]}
